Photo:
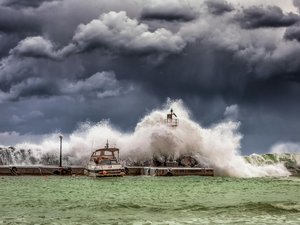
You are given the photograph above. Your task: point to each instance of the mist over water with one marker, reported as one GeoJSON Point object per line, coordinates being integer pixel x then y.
{"type": "Point", "coordinates": [217, 146]}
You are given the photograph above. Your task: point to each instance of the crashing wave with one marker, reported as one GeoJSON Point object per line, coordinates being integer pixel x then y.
{"type": "Point", "coordinates": [217, 146]}
{"type": "Point", "coordinates": [290, 160]}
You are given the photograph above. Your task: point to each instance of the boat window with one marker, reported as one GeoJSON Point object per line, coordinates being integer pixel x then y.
{"type": "Point", "coordinates": [108, 153]}
{"type": "Point", "coordinates": [104, 162]}
{"type": "Point", "coordinates": [113, 162]}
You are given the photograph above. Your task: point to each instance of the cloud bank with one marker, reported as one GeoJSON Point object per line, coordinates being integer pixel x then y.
{"type": "Point", "coordinates": [136, 54]}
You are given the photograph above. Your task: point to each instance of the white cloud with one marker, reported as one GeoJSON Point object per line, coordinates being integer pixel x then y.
{"type": "Point", "coordinates": [102, 84]}
{"type": "Point", "coordinates": [37, 47]}
{"type": "Point", "coordinates": [116, 30]}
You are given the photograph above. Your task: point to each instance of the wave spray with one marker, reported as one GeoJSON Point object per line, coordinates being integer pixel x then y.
{"type": "Point", "coordinates": [217, 146]}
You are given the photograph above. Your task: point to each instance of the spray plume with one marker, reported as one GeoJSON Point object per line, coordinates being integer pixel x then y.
{"type": "Point", "coordinates": [217, 146]}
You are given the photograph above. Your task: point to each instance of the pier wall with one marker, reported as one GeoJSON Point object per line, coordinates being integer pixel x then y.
{"type": "Point", "coordinates": [169, 171]}
{"type": "Point", "coordinates": [130, 171]}
{"type": "Point", "coordinates": [40, 170]}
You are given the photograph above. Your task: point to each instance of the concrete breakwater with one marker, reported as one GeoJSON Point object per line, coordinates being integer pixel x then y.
{"type": "Point", "coordinates": [169, 171]}
{"type": "Point", "coordinates": [131, 171]}
{"type": "Point", "coordinates": [40, 170]}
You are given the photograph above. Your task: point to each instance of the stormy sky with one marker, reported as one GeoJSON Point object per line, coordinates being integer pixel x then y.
{"type": "Point", "coordinates": [70, 61]}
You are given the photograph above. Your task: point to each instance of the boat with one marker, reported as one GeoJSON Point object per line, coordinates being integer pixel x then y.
{"type": "Point", "coordinates": [104, 162]}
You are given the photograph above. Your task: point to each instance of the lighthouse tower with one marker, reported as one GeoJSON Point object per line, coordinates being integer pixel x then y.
{"type": "Point", "coordinates": [172, 120]}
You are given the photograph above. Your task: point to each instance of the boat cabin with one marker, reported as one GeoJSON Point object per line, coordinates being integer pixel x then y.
{"type": "Point", "coordinates": [106, 156]}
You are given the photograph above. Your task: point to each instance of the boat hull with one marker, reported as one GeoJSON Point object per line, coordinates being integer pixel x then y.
{"type": "Point", "coordinates": [104, 173]}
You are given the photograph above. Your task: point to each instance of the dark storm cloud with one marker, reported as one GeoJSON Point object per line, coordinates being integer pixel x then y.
{"type": "Point", "coordinates": [7, 42]}
{"type": "Point", "coordinates": [219, 7]}
{"type": "Point", "coordinates": [110, 31]}
{"type": "Point", "coordinates": [114, 31]}
{"type": "Point", "coordinates": [271, 16]}
{"type": "Point", "coordinates": [168, 11]}
{"type": "Point", "coordinates": [64, 113]}
{"type": "Point", "coordinates": [167, 16]}
{"type": "Point", "coordinates": [110, 59]}
{"type": "Point", "coordinates": [33, 87]}
{"type": "Point", "coordinates": [24, 3]}
{"type": "Point", "coordinates": [99, 85]}
{"type": "Point", "coordinates": [37, 87]}
{"type": "Point", "coordinates": [16, 21]}
{"type": "Point", "coordinates": [293, 33]}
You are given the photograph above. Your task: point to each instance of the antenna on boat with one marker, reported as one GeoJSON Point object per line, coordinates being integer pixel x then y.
{"type": "Point", "coordinates": [107, 145]}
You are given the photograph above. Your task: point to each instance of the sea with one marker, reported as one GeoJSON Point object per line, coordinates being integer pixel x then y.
{"type": "Point", "coordinates": [148, 200]}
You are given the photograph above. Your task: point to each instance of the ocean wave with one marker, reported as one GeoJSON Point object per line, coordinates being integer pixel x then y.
{"type": "Point", "coordinates": [292, 159]}
{"type": "Point", "coordinates": [152, 141]}
{"type": "Point", "coordinates": [276, 207]}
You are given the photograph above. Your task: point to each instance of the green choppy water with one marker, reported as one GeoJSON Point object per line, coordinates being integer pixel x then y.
{"type": "Point", "coordinates": [149, 200]}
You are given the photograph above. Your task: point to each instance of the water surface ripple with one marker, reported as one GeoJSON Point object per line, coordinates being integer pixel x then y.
{"type": "Point", "coordinates": [149, 200]}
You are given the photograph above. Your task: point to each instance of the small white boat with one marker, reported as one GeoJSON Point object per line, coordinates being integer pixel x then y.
{"type": "Point", "coordinates": [104, 162]}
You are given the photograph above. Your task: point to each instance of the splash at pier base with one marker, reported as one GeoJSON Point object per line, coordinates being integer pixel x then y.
{"type": "Point", "coordinates": [217, 146]}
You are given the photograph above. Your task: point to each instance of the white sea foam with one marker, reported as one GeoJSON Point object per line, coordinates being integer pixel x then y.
{"type": "Point", "coordinates": [217, 146]}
